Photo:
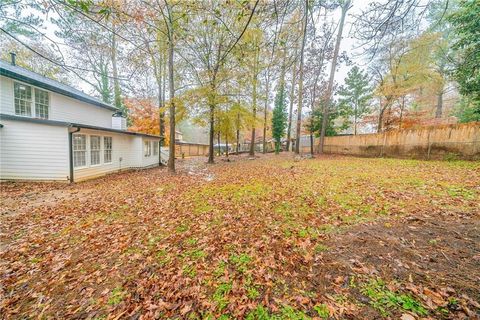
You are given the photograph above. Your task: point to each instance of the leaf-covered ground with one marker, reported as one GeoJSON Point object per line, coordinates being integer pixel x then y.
{"type": "Point", "coordinates": [273, 238]}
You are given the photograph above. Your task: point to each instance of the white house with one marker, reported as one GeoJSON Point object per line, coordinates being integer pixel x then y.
{"type": "Point", "coordinates": [51, 131]}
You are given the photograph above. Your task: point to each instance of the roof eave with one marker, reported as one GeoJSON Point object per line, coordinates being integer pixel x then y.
{"type": "Point", "coordinates": [74, 125]}
{"type": "Point", "coordinates": [19, 77]}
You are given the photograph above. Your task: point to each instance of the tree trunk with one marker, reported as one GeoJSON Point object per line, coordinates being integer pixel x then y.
{"type": "Point", "coordinates": [300, 81]}
{"type": "Point", "coordinates": [380, 117]}
{"type": "Point", "coordinates": [226, 146]}
{"type": "Point", "coordinates": [254, 102]}
{"type": "Point", "coordinates": [345, 7]}
{"type": "Point", "coordinates": [311, 143]}
{"type": "Point", "coordinates": [116, 84]}
{"type": "Point", "coordinates": [355, 121]}
{"type": "Point", "coordinates": [171, 146]}
{"type": "Point", "coordinates": [439, 110]}
{"type": "Point", "coordinates": [218, 142]}
{"type": "Point", "coordinates": [401, 113]}
{"type": "Point", "coordinates": [292, 93]}
{"type": "Point", "coordinates": [211, 134]}
{"type": "Point", "coordinates": [252, 144]}
{"type": "Point", "coordinates": [238, 133]}
{"type": "Point", "coordinates": [265, 113]}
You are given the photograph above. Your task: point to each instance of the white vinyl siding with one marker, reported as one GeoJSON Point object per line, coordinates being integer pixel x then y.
{"type": "Point", "coordinates": [61, 108]}
{"type": "Point", "coordinates": [30, 151]}
{"type": "Point", "coordinates": [42, 102]}
{"type": "Point", "coordinates": [147, 149]}
{"type": "Point", "coordinates": [71, 110]}
{"type": "Point", "coordinates": [79, 150]}
{"type": "Point", "coordinates": [126, 153]}
{"type": "Point", "coordinates": [23, 99]}
{"type": "Point", "coordinates": [155, 148]}
{"type": "Point", "coordinates": [151, 159]}
{"type": "Point", "coordinates": [107, 152]}
{"type": "Point", "coordinates": [95, 148]}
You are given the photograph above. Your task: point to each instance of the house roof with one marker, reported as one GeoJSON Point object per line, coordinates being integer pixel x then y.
{"type": "Point", "coordinates": [18, 73]}
{"type": "Point", "coordinates": [72, 125]}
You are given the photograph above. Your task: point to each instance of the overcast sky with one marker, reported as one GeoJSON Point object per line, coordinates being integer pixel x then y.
{"type": "Point", "coordinates": [348, 44]}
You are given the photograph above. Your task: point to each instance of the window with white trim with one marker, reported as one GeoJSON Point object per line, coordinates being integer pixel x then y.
{"type": "Point", "coordinates": [155, 148]}
{"type": "Point", "coordinates": [42, 100]}
{"type": "Point", "coordinates": [107, 149]}
{"type": "Point", "coordinates": [95, 150]}
{"type": "Point", "coordinates": [79, 150]}
{"type": "Point", "coordinates": [147, 148]}
{"type": "Point", "coordinates": [23, 99]}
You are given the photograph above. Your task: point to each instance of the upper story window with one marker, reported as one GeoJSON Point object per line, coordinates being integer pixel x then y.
{"type": "Point", "coordinates": [41, 103]}
{"type": "Point", "coordinates": [23, 99]}
{"type": "Point", "coordinates": [24, 96]}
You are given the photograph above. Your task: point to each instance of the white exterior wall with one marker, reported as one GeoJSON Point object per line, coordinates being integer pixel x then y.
{"type": "Point", "coordinates": [62, 108]}
{"type": "Point", "coordinates": [126, 147]}
{"type": "Point", "coordinates": [38, 151]}
{"type": "Point", "coordinates": [30, 151]}
{"type": "Point", "coordinates": [153, 158]}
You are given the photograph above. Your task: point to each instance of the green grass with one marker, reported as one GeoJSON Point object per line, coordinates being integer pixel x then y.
{"type": "Point", "coordinates": [189, 271]}
{"type": "Point", "coordinates": [322, 311]}
{"type": "Point", "coordinates": [384, 300]}
{"type": "Point", "coordinates": [116, 296]}
{"type": "Point", "coordinates": [194, 254]}
{"type": "Point", "coordinates": [241, 262]}
{"type": "Point", "coordinates": [252, 292]}
{"type": "Point", "coordinates": [219, 296]}
{"type": "Point", "coordinates": [321, 248]}
{"type": "Point", "coordinates": [285, 313]}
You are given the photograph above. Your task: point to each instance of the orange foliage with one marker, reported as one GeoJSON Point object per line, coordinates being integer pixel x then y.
{"type": "Point", "coordinates": [144, 116]}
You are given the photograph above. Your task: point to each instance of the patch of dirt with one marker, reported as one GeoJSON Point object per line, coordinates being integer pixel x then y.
{"type": "Point", "coordinates": [16, 197]}
{"type": "Point", "coordinates": [435, 259]}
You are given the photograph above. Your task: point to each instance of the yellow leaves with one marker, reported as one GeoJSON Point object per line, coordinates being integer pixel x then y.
{"type": "Point", "coordinates": [413, 70]}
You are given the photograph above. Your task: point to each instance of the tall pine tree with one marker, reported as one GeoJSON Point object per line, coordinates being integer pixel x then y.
{"type": "Point", "coordinates": [279, 117]}
{"type": "Point", "coordinates": [355, 95]}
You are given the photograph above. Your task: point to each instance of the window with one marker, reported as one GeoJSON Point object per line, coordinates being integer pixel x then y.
{"type": "Point", "coordinates": [23, 99]}
{"type": "Point", "coordinates": [155, 148]}
{"type": "Point", "coordinates": [41, 104]}
{"type": "Point", "coordinates": [147, 149]}
{"type": "Point", "coordinates": [94, 150]}
{"type": "Point", "coordinates": [79, 150]}
{"type": "Point", "coordinates": [107, 149]}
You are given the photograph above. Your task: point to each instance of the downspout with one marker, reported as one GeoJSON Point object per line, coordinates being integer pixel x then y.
{"type": "Point", "coordinates": [70, 152]}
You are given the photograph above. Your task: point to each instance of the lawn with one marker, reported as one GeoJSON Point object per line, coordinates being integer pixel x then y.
{"type": "Point", "coordinates": [273, 238]}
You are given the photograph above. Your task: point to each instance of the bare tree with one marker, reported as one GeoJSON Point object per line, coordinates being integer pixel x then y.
{"type": "Point", "coordinates": [345, 6]}
{"type": "Point", "coordinates": [300, 80]}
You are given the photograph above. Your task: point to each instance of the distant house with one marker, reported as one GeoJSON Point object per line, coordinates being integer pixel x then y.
{"type": "Point", "coordinates": [178, 136]}
{"type": "Point", "coordinates": [51, 131]}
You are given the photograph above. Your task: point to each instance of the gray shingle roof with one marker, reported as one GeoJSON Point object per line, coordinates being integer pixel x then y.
{"type": "Point", "coordinates": [18, 73]}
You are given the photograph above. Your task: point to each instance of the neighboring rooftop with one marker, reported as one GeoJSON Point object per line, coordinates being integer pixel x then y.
{"type": "Point", "coordinates": [18, 73]}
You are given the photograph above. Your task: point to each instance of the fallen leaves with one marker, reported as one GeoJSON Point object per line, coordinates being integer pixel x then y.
{"type": "Point", "coordinates": [269, 233]}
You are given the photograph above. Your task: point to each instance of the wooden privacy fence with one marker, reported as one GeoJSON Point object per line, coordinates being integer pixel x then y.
{"type": "Point", "coordinates": [438, 142]}
{"type": "Point", "coordinates": [187, 149]}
